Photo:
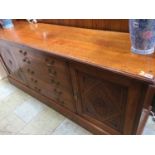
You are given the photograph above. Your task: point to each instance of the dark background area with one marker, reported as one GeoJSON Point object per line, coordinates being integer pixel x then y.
{"type": "Point", "coordinates": [120, 25]}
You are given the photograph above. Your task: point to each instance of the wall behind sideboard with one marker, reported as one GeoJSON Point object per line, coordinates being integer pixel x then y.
{"type": "Point", "coordinates": [120, 25]}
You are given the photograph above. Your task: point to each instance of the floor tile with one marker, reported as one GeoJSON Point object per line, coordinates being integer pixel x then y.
{"type": "Point", "coordinates": [6, 89]}
{"type": "Point", "coordinates": [148, 131]}
{"type": "Point", "coordinates": [2, 71]}
{"type": "Point", "coordinates": [28, 110]}
{"type": "Point", "coordinates": [9, 103]}
{"type": "Point", "coordinates": [11, 124]}
{"type": "Point", "coordinates": [44, 123]}
{"type": "Point", "coordinates": [70, 128]}
{"type": "Point", "coordinates": [6, 133]}
{"type": "Point", "coordinates": [149, 127]}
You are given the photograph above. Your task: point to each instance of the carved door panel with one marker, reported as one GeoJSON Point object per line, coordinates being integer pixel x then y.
{"type": "Point", "coordinates": [105, 99]}
{"type": "Point", "coordinates": [11, 63]}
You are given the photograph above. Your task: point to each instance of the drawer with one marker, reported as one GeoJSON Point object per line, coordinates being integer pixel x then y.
{"type": "Point", "coordinates": [59, 94]}
{"type": "Point", "coordinates": [51, 75]}
{"type": "Point", "coordinates": [44, 58]}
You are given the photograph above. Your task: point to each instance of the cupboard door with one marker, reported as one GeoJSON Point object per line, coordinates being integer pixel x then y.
{"type": "Point", "coordinates": [11, 62]}
{"type": "Point", "coordinates": [106, 100]}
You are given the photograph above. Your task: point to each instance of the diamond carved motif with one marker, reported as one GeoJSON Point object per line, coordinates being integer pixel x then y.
{"type": "Point", "coordinates": [104, 101]}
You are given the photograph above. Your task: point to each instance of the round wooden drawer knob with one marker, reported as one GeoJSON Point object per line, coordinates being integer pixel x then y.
{"type": "Point", "coordinates": [51, 63]}
{"type": "Point", "coordinates": [52, 74]}
{"type": "Point", "coordinates": [24, 60]}
{"type": "Point", "coordinates": [59, 92]}
{"type": "Point", "coordinates": [37, 89]}
{"type": "Point", "coordinates": [62, 102]}
{"type": "Point", "coordinates": [20, 51]}
{"type": "Point", "coordinates": [10, 62]}
{"type": "Point", "coordinates": [28, 62]}
{"type": "Point", "coordinates": [25, 53]}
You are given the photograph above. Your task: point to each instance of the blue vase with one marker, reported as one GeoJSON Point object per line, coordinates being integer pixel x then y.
{"type": "Point", "coordinates": [142, 34]}
{"type": "Point", "coordinates": [6, 23]}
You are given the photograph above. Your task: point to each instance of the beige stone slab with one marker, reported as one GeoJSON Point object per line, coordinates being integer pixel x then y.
{"type": "Point", "coordinates": [29, 109]}
{"type": "Point", "coordinates": [3, 73]}
{"type": "Point", "coordinates": [6, 133]}
{"type": "Point", "coordinates": [149, 127]}
{"type": "Point", "coordinates": [6, 89]}
{"type": "Point", "coordinates": [44, 123]}
{"type": "Point", "coordinates": [9, 103]}
{"type": "Point", "coordinates": [11, 123]}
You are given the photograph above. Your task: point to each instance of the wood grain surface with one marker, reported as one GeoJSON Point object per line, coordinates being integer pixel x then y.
{"type": "Point", "coordinates": [120, 25]}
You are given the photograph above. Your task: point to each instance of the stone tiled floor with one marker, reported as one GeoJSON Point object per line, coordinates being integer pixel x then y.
{"type": "Point", "coordinates": [22, 114]}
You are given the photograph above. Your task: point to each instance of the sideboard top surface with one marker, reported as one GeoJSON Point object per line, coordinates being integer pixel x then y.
{"type": "Point", "coordinates": [104, 49]}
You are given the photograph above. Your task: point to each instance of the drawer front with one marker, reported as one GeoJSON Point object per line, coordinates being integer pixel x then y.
{"type": "Point", "coordinates": [46, 68]}
{"type": "Point", "coordinates": [57, 93]}
{"type": "Point", "coordinates": [45, 59]}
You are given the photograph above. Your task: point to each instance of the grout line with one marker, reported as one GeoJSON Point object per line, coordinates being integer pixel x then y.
{"type": "Point", "coordinates": [26, 124]}
{"type": "Point", "coordinates": [59, 125]}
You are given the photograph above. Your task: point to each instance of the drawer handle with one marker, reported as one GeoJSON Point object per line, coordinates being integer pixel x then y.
{"type": "Point", "coordinates": [53, 74]}
{"type": "Point", "coordinates": [24, 60]}
{"type": "Point", "coordinates": [25, 53]}
{"type": "Point", "coordinates": [29, 62]}
{"type": "Point", "coordinates": [29, 71]}
{"type": "Point", "coordinates": [37, 89]}
{"type": "Point", "coordinates": [56, 83]}
{"type": "Point", "coordinates": [10, 62]}
{"type": "Point", "coordinates": [48, 59]}
{"type": "Point", "coordinates": [50, 63]}
{"type": "Point", "coordinates": [62, 102]}
{"type": "Point", "coordinates": [57, 92]}
{"type": "Point", "coordinates": [50, 70]}
{"type": "Point", "coordinates": [20, 51]}
{"type": "Point", "coordinates": [35, 81]}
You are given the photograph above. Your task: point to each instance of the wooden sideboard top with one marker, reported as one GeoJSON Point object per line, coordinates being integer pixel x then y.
{"type": "Point", "coordinates": [104, 49]}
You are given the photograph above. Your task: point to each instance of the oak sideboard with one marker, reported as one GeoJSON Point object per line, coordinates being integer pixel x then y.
{"type": "Point", "coordinates": [90, 76]}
